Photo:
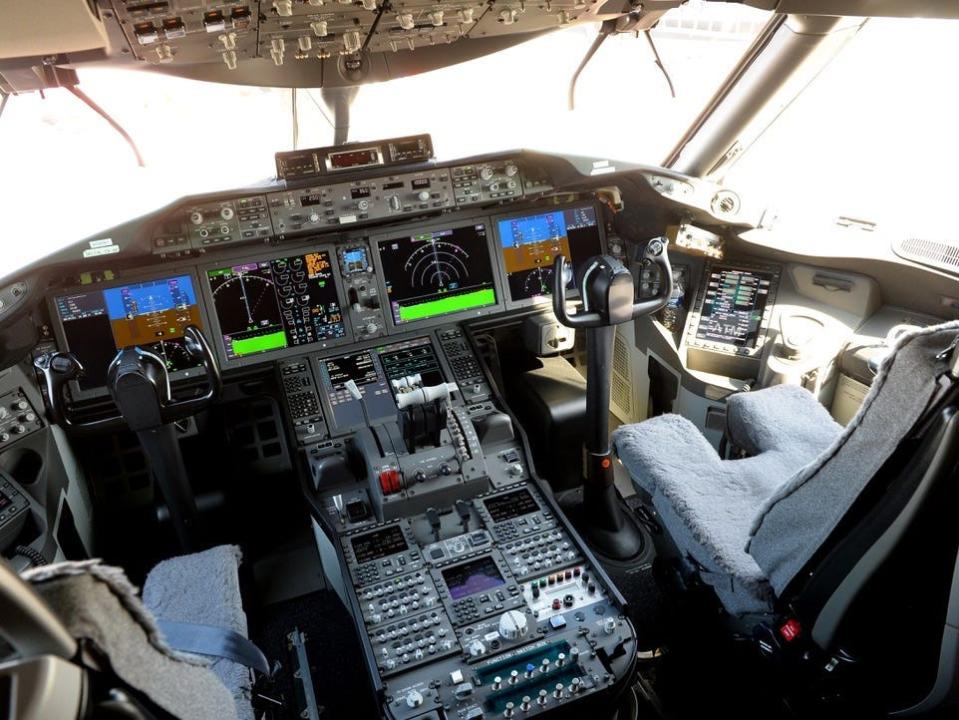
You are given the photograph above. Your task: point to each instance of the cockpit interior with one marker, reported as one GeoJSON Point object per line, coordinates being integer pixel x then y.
{"type": "Point", "coordinates": [401, 434]}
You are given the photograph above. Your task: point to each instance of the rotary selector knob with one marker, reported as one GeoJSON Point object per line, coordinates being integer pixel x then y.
{"type": "Point", "coordinates": [423, 195]}
{"type": "Point", "coordinates": [363, 205]}
{"type": "Point", "coordinates": [226, 212]}
{"type": "Point", "coordinates": [196, 217]}
{"type": "Point", "coordinates": [476, 648]}
{"type": "Point", "coordinates": [486, 172]}
{"type": "Point", "coordinates": [371, 328]}
{"type": "Point", "coordinates": [314, 218]}
{"type": "Point", "coordinates": [414, 698]}
{"type": "Point", "coordinates": [513, 625]}
{"type": "Point", "coordinates": [511, 170]}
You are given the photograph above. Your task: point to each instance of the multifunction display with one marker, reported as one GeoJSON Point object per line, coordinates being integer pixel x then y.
{"type": "Point", "coordinates": [379, 544]}
{"type": "Point", "coordinates": [274, 304]}
{"type": "Point", "coordinates": [408, 359]}
{"type": "Point", "coordinates": [510, 505]}
{"type": "Point", "coordinates": [733, 306]}
{"type": "Point", "coordinates": [437, 273]}
{"type": "Point", "coordinates": [151, 314]}
{"type": "Point", "coordinates": [470, 578]}
{"type": "Point", "coordinates": [530, 244]}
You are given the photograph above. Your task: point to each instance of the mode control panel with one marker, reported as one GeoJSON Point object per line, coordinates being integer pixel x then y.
{"type": "Point", "coordinates": [17, 417]}
{"type": "Point", "coordinates": [487, 182]}
{"type": "Point", "coordinates": [317, 207]}
{"type": "Point", "coordinates": [362, 295]}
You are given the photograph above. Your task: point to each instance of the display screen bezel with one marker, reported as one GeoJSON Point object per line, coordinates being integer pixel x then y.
{"type": "Point", "coordinates": [757, 339]}
{"type": "Point", "coordinates": [497, 246]}
{"type": "Point", "coordinates": [153, 274]}
{"type": "Point", "coordinates": [447, 223]}
{"type": "Point", "coordinates": [216, 335]}
{"type": "Point", "coordinates": [389, 529]}
{"type": "Point", "coordinates": [486, 560]}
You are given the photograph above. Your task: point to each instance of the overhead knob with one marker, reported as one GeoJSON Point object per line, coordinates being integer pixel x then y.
{"type": "Point", "coordinates": [363, 205]}
{"type": "Point", "coordinates": [351, 41]}
{"type": "Point", "coordinates": [436, 18]}
{"type": "Point", "coordinates": [513, 625]}
{"type": "Point", "coordinates": [320, 28]}
{"type": "Point", "coordinates": [406, 21]}
{"type": "Point", "coordinates": [284, 8]}
{"type": "Point", "coordinates": [414, 698]}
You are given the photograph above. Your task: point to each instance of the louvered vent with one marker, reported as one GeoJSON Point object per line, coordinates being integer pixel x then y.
{"type": "Point", "coordinates": [621, 390]}
{"type": "Point", "coordinates": [941, 254]}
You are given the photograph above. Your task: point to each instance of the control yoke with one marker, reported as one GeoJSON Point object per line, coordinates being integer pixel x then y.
{"type": "Point", "coordinates": [139, 384]}
{"type": "Point", "coordinates": [132, 367]}
{"type": "Point", "coordinates": [608, 295]}
{"type": "Point", "coordinates": [607, 289]}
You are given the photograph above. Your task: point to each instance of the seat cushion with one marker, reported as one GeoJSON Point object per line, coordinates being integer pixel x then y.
{"type": "Point", "coordinates": [795, 521]}
{"type": "Point", "coordinates": [709, 504]}
{"type": "Point", "coordinates": [98, 604]}
{"type": "Point", "coordinates": [204, 588]}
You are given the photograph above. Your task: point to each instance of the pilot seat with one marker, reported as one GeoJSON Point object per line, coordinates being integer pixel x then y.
{"type": "Point", "coordinates": [820, 530]}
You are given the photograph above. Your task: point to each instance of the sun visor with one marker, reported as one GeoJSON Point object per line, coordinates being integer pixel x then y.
{"type": "Point", "coordinates": [31, 28]}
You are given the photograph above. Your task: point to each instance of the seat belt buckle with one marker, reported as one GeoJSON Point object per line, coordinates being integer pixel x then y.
{"type": "Point", "coordinates": [951, 356]}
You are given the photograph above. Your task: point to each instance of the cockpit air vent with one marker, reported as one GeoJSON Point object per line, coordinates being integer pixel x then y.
{"type": "Point", "coordinates": [941, 254]}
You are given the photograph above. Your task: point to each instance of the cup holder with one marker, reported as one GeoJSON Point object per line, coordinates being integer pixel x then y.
{"type": "Point", "coordinates": [22, 464]}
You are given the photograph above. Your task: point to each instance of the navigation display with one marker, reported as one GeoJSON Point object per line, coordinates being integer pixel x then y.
{"type": "Point", "coordinates": [472, 577]}
{"type": "Point", "coordinates": [733, 306]}
{"type": "Point", "coordinates": [437, 273]}
{"type": "Point", "coordinates": [151, 314]}
{"type": "Point", "coordinates": [530, 244]}
{"type": "Point", "coordinates": [274, 304]}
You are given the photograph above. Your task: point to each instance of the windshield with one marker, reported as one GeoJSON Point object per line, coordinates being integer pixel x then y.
{"type": "Point", "coordinates": [871, 139]}
{"type": "Point", "coordinates": [69, 175]}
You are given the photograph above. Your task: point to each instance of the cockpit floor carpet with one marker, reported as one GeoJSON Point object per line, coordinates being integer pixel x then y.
{"type": "Point", "coordinates": [340, 683]}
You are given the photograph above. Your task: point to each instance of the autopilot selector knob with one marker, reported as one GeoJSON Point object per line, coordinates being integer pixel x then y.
{"type": "Point", "coordinates": [513, 625]}
{"type": "Point", "coordinates": [486, 172]}
{"type": "Point", "coordinates": [196, 217]}
{"type": "Point", "coordinates": [423, 195]}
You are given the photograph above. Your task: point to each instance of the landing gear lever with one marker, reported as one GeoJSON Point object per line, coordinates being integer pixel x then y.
{"type": "Point", "coordinates": [608, 297]}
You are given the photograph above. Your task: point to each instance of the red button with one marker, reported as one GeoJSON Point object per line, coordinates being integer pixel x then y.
{"type": "Point", "coordinates": [790, 630]}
